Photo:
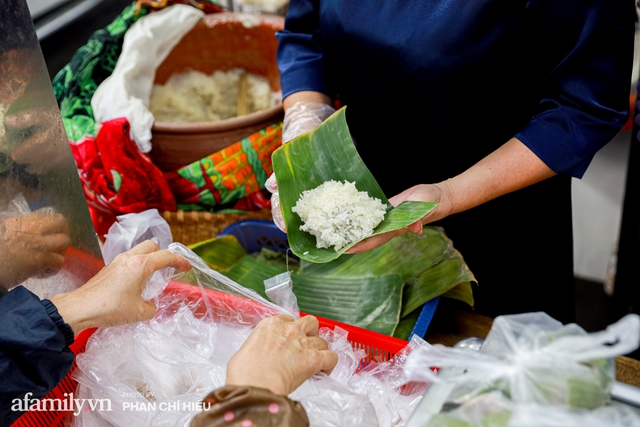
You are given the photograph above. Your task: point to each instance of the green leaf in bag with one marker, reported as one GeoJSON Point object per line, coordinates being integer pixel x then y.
{"type": "Point", "coordinates": [323, 154]}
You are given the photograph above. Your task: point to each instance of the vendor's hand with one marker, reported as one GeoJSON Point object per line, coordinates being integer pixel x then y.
{"type": "Point", "coordinates": [437, 193]}
{"type": "Point", "coordinates": [32, 245]}
{"type": "Point", "coordinates": [34, 137]}
{"type": "Point", "coordinates": [280, 354]}
{"type": "Point", "coordinates": [114, 296]}
{"type": "Point", "coordinates": [276, 210]}
{"type": "Point", "coordinates": [304, 116]}
{"type": "Point", "coordinates": [304, 111]}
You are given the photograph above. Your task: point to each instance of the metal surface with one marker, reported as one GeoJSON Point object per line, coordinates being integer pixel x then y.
{"type": "Point", "coordinates": [47, 239]}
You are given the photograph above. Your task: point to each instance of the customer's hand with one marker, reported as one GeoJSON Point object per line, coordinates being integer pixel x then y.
{"type": "Point", "coordinates": [280, 354]}
{"type": "Point", "coordinates": [32, 245]}
{"type": "Point", "coordinates": [114, 296]}
{"type": "Point", "coordinates": [437, 193]}
{"type": "Point", "coordinates": [304, 111]}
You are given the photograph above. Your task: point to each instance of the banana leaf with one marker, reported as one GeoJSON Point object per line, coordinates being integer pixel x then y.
{"type": "Point", "coordinates": [461, 292]}
{"type": "Point", "coordinates": [362, 289]}
{"type": "Point", "coordinates": [372, 303]}
{"type": "Point", "coordinates": [220, 253]}
{"type": "Point", "coordinates": [323, 154]}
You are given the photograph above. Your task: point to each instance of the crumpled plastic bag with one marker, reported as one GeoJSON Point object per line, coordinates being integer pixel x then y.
{"type": "Point", "coordinates": [532, 358]}
{"type": "Point", "coordinates": [156, 373]}
{"type": "Point", "coordinates": [132, 229]}
{"type": "Point", "coordinates": [495, 410]}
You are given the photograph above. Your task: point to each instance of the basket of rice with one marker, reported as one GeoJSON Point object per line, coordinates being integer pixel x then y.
{"type": "Point", "coordinates": [331, 202]}
{"type": "Point", "coordinates": [218, 85]}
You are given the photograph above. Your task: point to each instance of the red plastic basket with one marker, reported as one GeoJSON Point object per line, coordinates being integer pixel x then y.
{"type": "Point", "coordinates": [378, 348]}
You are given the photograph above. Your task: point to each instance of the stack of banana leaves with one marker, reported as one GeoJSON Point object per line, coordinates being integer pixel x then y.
{"type": "Point", "coordinates": [381, 290]}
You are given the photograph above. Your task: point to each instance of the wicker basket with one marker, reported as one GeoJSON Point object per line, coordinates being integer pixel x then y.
{"type": "Point", "coordinates": [188, 227]}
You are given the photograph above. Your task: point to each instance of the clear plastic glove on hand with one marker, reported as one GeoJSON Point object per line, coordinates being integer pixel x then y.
{"type": "Point", "coordinates": [301, 117]}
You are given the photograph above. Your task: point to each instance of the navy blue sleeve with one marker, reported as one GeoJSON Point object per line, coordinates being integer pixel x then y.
{"type": "Point", "coordinates": [587, 95]}
{"type": "Point", "coordinates": [301, 59]}
{"type": "Point", "coordinates": [34, 349]}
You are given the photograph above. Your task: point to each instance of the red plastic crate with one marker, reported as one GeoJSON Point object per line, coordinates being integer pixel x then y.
{"type": "Point", "coordinates": [378, 347]}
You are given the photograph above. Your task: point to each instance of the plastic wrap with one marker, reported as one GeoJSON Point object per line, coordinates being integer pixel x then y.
{"type": "Point", "coordinates": [532, 358]}
{"type": "Point", "coordinates": [132, 229]}
{"type": "Point", "coordinates": [156, 373]}
{"type": "Point", "coordinates": [279, 289]}
{"type": "Point", "coordinates": [495, 410]}
{"type": "Point", "coordinates": [377, 395]}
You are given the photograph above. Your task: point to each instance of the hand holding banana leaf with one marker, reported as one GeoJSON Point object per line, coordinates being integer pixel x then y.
{"type": "Point", "coordinates": [324, 154]}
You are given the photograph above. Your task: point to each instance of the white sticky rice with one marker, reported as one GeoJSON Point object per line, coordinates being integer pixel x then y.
{"type": "Point", "coordinates": [337, 214]}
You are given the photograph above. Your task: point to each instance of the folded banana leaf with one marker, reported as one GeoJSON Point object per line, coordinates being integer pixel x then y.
{"type": "Point", "coordinates": [323, 154]}
{"type": "Point", "coordinates": [380, 290]}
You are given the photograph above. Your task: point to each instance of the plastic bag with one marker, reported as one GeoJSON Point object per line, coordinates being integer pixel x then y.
{"type": "Point", "coordinates": [279, 289]}
{"type": "Point", "coordinates": [156, 373]}
{"type": "Point", "coordinates": [532, 358]}
{"type": "Point", "coordinates": [495, 410]}
{"type": "Point", "coordinates": [132, 229]}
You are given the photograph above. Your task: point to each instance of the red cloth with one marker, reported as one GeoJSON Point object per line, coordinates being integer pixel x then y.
{"type": "Point", "coordinates": [117, 177]}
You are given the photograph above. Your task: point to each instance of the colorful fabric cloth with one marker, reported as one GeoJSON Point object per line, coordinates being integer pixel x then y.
{"type": "Point", "coordinates": [224, 177]}
{"type": "Point", "coordinates": [118, 179]}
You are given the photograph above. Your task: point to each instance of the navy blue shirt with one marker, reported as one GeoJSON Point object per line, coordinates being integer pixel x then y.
{"type": "Point", "coordinates": [556, 74]}
{"type": "Point", "coordinates": [34, 349]}
{"type": "Point", "coordinates": [432, 86]}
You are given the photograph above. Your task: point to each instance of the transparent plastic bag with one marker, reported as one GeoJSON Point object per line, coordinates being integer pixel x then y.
{"type": "Point", "coordinates": [156, 373]}
{"type": "Point", "coordinates": [279, 289]}
{"type": "Point", "coordinates": [132, 229]}
{"type": "Point", "coordinates": [532, 358]}
{"type": "Point", "coordinates": [495, 410]}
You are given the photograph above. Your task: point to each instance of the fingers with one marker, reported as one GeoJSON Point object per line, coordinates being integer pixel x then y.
{"type": "Point", "coordinates": [164, 258]}
{"type": "Point", "coordinates": [309, 325]}
{"type": "Point", "coordinates": [148, 311]}
{"type": "Point", "coordinates": [375, 241]}
{"type": "Point", "coordinates": [146, 247]}
{"type": "Point", "coordinates": [328, 361]}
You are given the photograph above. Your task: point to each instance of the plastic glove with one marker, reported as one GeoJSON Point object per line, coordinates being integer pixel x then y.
{"type": "Point", "coordinates": [301, 117]}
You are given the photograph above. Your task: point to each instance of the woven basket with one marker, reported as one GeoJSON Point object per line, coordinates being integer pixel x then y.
{"type": "Point", "coordinates": [188, 227]}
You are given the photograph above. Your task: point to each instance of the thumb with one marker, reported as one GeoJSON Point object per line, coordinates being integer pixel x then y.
{"type": "Point", "coordinates": [148, 311]}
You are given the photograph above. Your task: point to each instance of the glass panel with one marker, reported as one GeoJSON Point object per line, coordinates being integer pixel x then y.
{"type": "Point", "coordinates": [47, 239]}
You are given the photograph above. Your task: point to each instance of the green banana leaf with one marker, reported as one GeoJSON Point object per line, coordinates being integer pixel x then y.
{"type": "Point", "coordinates": [220, 253]}
{"type": "Point", "coordinates": [323, 154]}
{"type": "Point", "coordinates": [360, 289]}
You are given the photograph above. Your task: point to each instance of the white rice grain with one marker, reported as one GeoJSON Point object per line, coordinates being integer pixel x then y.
{"type": "Point", "coordinates": [337, 214]}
